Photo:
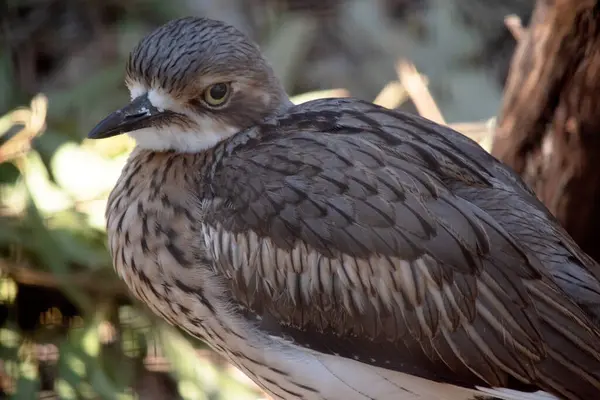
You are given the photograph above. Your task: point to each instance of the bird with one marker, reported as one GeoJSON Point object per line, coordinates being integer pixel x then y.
{"type": "Point", "coordinates": [336, 249]}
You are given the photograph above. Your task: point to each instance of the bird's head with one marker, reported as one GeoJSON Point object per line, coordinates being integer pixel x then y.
{"type": "Point", "coordinates": [193, 83]}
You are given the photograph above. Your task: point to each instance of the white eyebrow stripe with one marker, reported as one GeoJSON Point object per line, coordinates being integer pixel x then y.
{"type": "Point", "coordinates": [136, 90]}
{"type": "Point", "coordinates": [157, 97]}
{"type": "Point", "coordinates": [163, 101]}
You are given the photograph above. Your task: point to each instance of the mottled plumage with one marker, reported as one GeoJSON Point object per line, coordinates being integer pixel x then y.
{"type": "Point", "coordinates": [336, 249]}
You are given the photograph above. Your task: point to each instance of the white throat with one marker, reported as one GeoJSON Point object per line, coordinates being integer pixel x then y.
{"type": "Point", "coordinates": [205, 133]}
{"type": "Point", "coordinates": [182, 140]}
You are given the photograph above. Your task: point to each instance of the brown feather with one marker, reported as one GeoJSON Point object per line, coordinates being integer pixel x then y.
{"type": "Point", "coordinates": [371, 224]}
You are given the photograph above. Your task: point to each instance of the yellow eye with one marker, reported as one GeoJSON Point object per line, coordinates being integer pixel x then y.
{"type": "Point", "coordinates": [216, 94]}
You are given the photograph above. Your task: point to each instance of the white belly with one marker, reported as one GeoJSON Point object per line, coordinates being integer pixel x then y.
{"type": "Point", "coordinates": [341, 378]}
{"type": "Point", "coordinates": [337, 378]}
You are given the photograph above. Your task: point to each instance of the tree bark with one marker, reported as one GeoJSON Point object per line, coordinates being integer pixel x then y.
{"type": "Point", "coordinates": [549, 125]}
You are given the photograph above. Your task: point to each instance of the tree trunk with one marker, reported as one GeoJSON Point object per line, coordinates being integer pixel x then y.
{"type": "Point", "coordinates": [549, 125]}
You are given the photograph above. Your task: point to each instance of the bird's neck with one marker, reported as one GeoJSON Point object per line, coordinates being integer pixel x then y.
{"type": "Point", "coordinates": [285, 104]}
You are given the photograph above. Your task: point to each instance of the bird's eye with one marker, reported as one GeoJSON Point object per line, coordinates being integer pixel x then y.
{"type": "Point", "coordinates": [216, 94]}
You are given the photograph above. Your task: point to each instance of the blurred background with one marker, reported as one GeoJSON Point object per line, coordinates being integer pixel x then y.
{"type": "Point", "coordinates": [68, 328]}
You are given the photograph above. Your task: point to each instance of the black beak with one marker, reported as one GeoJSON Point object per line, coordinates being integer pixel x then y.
{"type": "Point", "coordinates": [136, 115]}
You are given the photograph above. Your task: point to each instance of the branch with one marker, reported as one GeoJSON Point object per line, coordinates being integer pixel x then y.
{"type": "Point", "coordinates": [88, 281]}
{"type": "Point", "coordinates": [415, 85]}
{"type": "Point", "coordinates": [515, 26]}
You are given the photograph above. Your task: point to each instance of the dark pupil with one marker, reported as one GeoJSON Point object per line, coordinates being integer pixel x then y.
{"type": "Point", "coordinates": [218, 91]}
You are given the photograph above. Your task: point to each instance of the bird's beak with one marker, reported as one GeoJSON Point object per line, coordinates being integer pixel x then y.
{"type": "Point", "coordinates": [136, 115]}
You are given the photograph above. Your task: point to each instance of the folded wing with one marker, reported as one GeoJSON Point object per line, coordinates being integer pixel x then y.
{"type": "Point", "coordinates": [344, 229]}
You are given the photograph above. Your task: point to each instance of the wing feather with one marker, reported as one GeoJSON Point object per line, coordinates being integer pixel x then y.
{"type": "Point", "coordinates": [359, 230]}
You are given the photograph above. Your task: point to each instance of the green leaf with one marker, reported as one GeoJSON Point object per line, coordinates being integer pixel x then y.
{"type": "Point", "coordinates": [71, 370]}
{"type": "Point", "coordinates": [9, 96]}
{"type": "Point", "coordinates": [65, 388]}
{"type": "Point", "coordinates": [50, 252]}
{"type": "Point", "coordinates": [10, 340]}
{"type": "Point", "coordinates": [78, 250]}
{"type": "Point", "coordinates": [8, 290]}
{"type": "Point", "coordinates": [28, 384]}
{"type": "Point", "coordinates": [197, 380]}
{"type": "Point", "coordinates": [80, 361]}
